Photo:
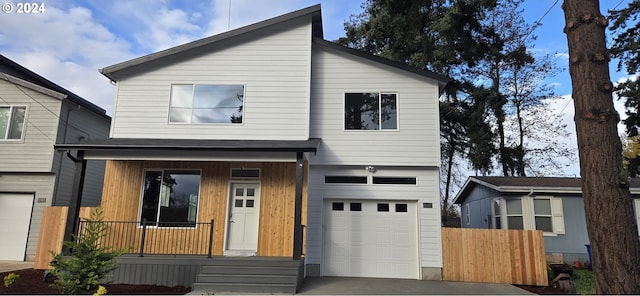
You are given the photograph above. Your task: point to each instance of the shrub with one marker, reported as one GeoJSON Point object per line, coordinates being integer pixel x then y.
{"type": "Point", "coordinates": [82, 266]}
{"type": "Point", "coordinates": [11, 278]}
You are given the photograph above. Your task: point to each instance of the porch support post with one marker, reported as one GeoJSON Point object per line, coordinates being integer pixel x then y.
{"type": "Point", "coordinates": [76, 195]}
{"type": "Point", "coordinates": [297, 228]}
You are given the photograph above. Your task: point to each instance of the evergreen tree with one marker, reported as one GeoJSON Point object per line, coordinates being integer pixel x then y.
{"type": "Point", "coordinates": [626, 47]}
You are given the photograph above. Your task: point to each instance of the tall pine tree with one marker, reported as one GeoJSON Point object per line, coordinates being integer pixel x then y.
{"type": "Point", "coordinates": [611, 223]}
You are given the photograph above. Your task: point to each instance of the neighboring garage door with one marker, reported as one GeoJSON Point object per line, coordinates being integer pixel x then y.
{"type": "Point", "coordinates": [15, 215]}
{"type": "Point", "coordinates": [365, 238]}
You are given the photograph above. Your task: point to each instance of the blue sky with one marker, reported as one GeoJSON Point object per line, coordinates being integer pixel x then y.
{"type": "Point", "coordinates": [72, 39]}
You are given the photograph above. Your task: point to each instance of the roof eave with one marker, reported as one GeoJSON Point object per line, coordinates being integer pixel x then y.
{"type": "Point", "coordinates": [314, 11]}
{"type": "Point", "coordinates": [310, 145]}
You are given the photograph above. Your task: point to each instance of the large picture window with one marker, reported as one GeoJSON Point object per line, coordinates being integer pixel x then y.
{"type": "Point", "coordinates": [170, 197]}
{"type": "Point", "coordinates": [12, 121]}
{"type": "Point", "coordinates": [370, 111]}
{"type": "Point", "coordinates": [206, 103]}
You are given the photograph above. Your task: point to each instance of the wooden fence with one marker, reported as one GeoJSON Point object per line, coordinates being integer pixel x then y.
{"type": "Point", "coordinates": [52, 226]}
{"type": "Point", "coordinates": [494, 256]}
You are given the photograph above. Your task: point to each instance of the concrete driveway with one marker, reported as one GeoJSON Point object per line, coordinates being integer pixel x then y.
{"type": "Point", "coordinates": [370, 286]}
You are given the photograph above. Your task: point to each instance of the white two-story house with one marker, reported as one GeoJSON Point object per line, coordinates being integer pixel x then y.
{"type": "Point", "coordinates": [297, 147]}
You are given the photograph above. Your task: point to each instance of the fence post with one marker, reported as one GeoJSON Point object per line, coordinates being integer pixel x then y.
{"type": "Point", "coordinates": [210, 239]}
{"type": "Point", "coordinates": [144, 234]}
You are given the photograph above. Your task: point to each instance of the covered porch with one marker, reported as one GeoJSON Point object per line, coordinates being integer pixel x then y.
{"type": "Point", "coordinates": [253, 190]}
{"type": "Point", "coordinates": [203, 198]}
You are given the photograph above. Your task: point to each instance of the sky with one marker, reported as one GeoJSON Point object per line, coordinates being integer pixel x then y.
{"type": "Point", "coordinates": [69, 40]}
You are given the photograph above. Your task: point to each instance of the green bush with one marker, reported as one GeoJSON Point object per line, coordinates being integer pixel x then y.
{"type": "Point", "coordinates": [11, 278]}
{"type": "Point", "coordinates": [84, 264]}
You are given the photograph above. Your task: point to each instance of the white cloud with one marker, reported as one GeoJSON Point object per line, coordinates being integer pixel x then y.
{"type": "Point", "coordinates": [66, 46]}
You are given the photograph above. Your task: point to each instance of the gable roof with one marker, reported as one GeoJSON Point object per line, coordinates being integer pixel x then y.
{"type": "Point", "coordinates": [313, 11]}
{"type": "Point", "coordinates": [318, 38]}
{"type": "Point", "coordinates": [32, 86]}
{"type": "Point", "coordinates": [18, 71]}
{"type": "Point", "coordinates": [441, 79]}
{"type": "Point", "coordinates": [528, 184]}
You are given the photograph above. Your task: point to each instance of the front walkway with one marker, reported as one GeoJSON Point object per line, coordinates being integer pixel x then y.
{"type": "Point", "coordinates": [6, 266]}
{"type": "Point", "coordinates": [370, 286]}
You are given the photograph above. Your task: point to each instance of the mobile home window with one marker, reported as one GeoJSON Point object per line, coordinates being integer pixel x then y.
{"type": "Point", "coordinates": [170, 197]}
{"type": "Point", "coordinates": [12, 121]}
{"type": "Point", "coordinates": [542, 214]}
{"type": "Point", "coordinates": [206, 103]}
{"type": "Point", "coordinates": [514, 213]}
{"type": "Point", "coordinates": [370, 111]}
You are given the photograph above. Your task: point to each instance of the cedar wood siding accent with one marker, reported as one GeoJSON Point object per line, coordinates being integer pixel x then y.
{"type": "Point", "coordinates": [122, 193]}
{"type": "Point", "coordinates": [425, 191]}
{"type": "Point", "coordinates": [415, 143]}
{"type": "Point", "coordinates": [35, 152]}
{"type": "Point", "coordinates": [273, 64]}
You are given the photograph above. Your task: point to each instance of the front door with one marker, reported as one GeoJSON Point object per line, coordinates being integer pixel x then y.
{"type": "Point", "coordinates": [244, 214]}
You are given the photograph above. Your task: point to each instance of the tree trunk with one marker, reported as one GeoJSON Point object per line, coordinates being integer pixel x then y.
{"type": "Point", "coordinates": [445, 203]}
{"type": "Point", "coordinates": [608, 205]}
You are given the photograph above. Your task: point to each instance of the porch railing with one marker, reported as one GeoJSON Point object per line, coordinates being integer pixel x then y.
{"type": "Point", "coordinates": [158, 238]}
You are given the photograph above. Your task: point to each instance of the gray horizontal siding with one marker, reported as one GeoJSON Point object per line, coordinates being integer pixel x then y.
{"type": "Point", "coordinates": [82, 123]}
{"type": "Point", "coordinates": [42, 186]}
{"type": "Point", "coordinates": [35, 152]}
{"type": "Point", "coordinates": [575, 237]}
{"type": "Point", "coordinates": [415, 143]}
{"type": "Point", "coordinates": [272, 63]}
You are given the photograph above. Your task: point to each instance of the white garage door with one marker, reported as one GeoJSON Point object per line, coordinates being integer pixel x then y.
{"type": "Point", "coordinates": [15, 215]}
{"type": "Point", "coordinates": [370, 239]}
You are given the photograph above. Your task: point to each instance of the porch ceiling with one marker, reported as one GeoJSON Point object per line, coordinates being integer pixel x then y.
{"type": "Point", "coordinates": [310, 145]}
{"type": "Point", "coordinates": [179, 149]}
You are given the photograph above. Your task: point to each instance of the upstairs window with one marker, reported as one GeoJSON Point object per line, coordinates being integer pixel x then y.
{"type": "Point", "coordinates": [12, 121]}
{"type": "Point", "coordinates": [370, 111]}
{"type": "Point", "coordinates": [206, 103]}
{"type": "Point", "coordinates": [170, 197]}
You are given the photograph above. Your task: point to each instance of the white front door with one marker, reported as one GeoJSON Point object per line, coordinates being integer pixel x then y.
{"type": "Point", "coordinates": [15, 216]}
{"type": "Point", "coordinates": [244, 214]}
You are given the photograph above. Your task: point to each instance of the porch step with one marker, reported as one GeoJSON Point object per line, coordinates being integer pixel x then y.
{"type": "Point", "coordinates": [256, 275]}
{"type": "Point", "coordinates": [245, 288]}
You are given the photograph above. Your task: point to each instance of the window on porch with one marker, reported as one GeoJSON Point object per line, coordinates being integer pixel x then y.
{"type": "Point", "coordinates": [170, 197]}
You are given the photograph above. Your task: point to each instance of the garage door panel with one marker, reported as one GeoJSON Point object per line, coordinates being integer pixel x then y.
{"type": "Point", "coordinates": [375, 241]}
{"type": "Point", "coordinates": [15, 216]}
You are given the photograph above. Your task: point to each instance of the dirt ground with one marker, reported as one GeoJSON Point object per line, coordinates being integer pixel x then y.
{"type": "Point", "coordinates": [31, 281]}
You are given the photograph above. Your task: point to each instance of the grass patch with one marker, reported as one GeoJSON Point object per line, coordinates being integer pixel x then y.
{"type": "Point", "coordinates": [583, 280]}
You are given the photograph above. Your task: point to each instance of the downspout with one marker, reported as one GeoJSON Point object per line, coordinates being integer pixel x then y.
{"type": "Point", "coordinates": [61, 157]}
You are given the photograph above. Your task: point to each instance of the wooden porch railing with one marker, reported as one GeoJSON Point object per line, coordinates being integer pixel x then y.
{"type": "Point", "coordinates": [158, 238]}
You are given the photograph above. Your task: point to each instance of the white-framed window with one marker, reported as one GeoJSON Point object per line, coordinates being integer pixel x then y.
{"type": "Point", "coordinates": [12, 122]}
{"type": "Point", "coordinates": [467, 214]}
{"type": "Point", "coordinates": [207, 103]}
{"type": "Point", "coordinates": [371, 111]}
{"type": "Point", "coordinates": [529, 212]}
{"type": "Point", "coordinates": [170, 197]}
{"type": "Point", "coordinates": [543, 218]}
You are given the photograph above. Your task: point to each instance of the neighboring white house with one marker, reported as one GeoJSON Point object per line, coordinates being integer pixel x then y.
{"type": "Point", "coordinates": [35, 114]}
{"type": "Point", "coordinates": [365, 129]}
